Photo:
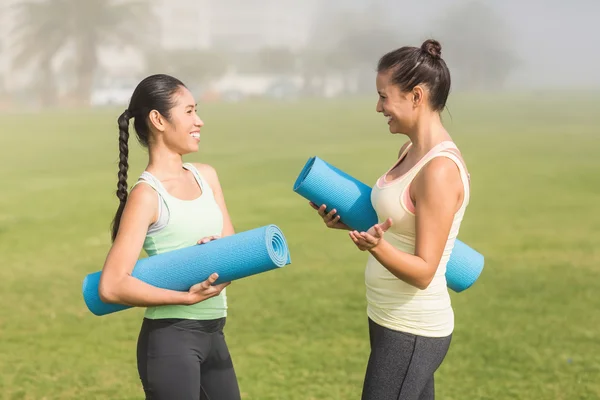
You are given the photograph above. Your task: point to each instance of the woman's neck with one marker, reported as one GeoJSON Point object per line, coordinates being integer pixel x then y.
{"type": "Point", "coordinates": [164, 163]}
{"type": "Point", "coordinates": [429, 132]}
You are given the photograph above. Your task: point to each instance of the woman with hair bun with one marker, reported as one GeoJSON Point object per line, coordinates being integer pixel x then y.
{"type": "Point", "coordinates": [420, 202]}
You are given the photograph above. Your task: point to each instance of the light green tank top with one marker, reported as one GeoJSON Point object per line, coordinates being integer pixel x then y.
{"type": "Point", "coordinates": [181, 223]}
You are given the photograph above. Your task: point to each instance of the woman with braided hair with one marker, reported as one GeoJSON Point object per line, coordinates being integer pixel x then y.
{"type": "Point", "coordinates": [181, 351]}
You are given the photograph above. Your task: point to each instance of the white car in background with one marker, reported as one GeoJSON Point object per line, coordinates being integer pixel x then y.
{"type": "Point", "coordinates": [112, 95]}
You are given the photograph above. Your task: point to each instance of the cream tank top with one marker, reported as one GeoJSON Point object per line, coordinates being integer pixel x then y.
{"type": "Point", "coordinates": [391, 302]}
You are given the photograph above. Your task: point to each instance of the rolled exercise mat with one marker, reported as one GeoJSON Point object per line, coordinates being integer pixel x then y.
{"type": "Point", "coordinates": [232, 257]}
{"type": "Point", "coordinates": [323, 183]}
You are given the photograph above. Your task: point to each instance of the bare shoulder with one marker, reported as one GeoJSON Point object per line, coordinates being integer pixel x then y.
{"type": "Point", "coordinates": [209, 173]}
{"type": "Point", "coordinates": [205, 168]}
{"type": "Point", "coordinates": [439, 182]}
{"type": "Point", "coordinates": [441, 171]}
{"type": "Point", "coordinates": [142, 195]}
{"type": "Point", "coordinates": [141, 207]}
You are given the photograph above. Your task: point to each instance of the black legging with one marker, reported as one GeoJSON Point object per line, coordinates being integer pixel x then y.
{"type": "Point", "coordinates": [185, 360]}
{"type": "Point", "coordinates": [401, 365]}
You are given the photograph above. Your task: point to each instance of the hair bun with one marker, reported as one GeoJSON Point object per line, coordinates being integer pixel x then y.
{"type": "Point", "coordinates": [433, 48]}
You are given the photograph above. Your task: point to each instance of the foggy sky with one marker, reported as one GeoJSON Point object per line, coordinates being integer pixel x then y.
{"type": "Point", "coordinates": [557, 41]}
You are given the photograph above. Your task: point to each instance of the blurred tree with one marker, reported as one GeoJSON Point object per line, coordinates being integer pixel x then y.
{"type": "Point", "coordinates": [476, 45]}
{"type": "Point", "coordinates": [314, 68]}
{"type": "Point", "coordinates": [277, 60]}
{"type": "Point", "coordinates": [363, 48]}
{"type": "Point", "coordinates": [43, 28]}
{"type": "Point", "coordinates": [193, 67]}
{"type": "Point", "coordinates": [348, 43]}
{"type": "Point", "coordinates": [322, 57]}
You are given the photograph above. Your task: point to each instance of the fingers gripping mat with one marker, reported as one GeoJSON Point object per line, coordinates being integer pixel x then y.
{"type": "Point", "coordinates": [232, 257]}
{"type": "Point", "coordinates": [323, 183]}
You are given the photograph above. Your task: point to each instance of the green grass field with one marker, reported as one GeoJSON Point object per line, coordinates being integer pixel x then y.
{"type": "Point", "coordinates": [527, 330]}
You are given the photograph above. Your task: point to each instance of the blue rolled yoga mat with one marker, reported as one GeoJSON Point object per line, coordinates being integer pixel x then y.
{"type": "Point", "coordinates": [323, 183]}
{"type": "Point", "coordinates": [232, 257]}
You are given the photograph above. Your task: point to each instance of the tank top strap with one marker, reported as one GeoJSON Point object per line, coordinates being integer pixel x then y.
{"type": "Point", "coordinates": [432, 153]}
{"type": "Point", "coordinates": [443, 149]}
{"type": "Point", "coordinates": [163, 208]}
{"type": "Point", "coordinates": [403, 153]}
{"type": "Point", "coordinates": [198, 176]}
{"type": "Point", "coordinates": [458, 160]}
{"type": "Point", "coordinates": [152, 181]}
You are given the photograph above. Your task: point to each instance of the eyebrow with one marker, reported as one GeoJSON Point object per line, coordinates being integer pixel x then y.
{"type": "Point", "coordinates": [191, 105]}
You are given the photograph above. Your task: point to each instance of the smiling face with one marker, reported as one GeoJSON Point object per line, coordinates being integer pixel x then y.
{"type": "Point", "coordinates": [400, 108]}
{"type": "Point", "coordinates": [181, 132]}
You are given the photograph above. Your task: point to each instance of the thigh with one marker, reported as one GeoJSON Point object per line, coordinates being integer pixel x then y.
{"type": "Point", "coordinates": [428, 392]}
{"type": "Point", "coordinates": [173, 377]}
{"type": "Point", "coordinates": [169, 361]}
{"type": "Point", "coordinates": [428, 356]}
{"type": "Point", "coordinates": [389, 361]}
{"type": "Point", "coordinates": [219, 381]}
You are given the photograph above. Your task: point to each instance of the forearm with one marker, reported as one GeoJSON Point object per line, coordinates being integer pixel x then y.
{"type": "Point", "coordinates": [407, 267]}
{"type": "Point", "coordinates": [133, 292]}
{"type": "Point", "coordinates": [228, 230]}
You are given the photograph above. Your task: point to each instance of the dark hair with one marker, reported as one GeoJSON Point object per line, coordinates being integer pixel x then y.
{"type": "Point", "coordinates": [412, 66]}
{"type": "Point", "coordinates": [156, 92]}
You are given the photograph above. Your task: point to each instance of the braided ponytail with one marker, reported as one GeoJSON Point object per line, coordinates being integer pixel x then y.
{"type": "Point", "coordinates": [155, 92]}
{"type": "Point", "coordinates": [123, 122]}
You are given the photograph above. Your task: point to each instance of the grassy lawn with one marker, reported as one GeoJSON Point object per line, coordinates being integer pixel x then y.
{"type": "Point", "coordinates": [527, 330]}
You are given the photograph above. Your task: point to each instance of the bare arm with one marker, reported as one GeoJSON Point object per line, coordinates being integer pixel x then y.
{"type": "Point", "coordinates": [438, 193]}
{"type": "Point", "coordinates": [116, 283]}
{"type": "Point", "coordinates": [211, 176]}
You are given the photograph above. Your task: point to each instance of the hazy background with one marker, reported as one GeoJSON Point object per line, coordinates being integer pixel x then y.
{"type": "Point", "coordinates": [278, 81]}
{"type": "Point", "coordinates": [77, 53]}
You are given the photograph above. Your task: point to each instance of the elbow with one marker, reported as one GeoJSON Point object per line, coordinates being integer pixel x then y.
{"type": "Point", "coordinates": [107, 293]}
{"type": "Point", "coordinates": [423, 283]}
{"type": "Point", "coordinates": [107, 296]}
{"type": "Point", "coordinates": [424, 279]}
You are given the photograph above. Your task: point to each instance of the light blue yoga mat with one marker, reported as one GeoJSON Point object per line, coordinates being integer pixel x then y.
{"type": "Point", "coordinates": [232, 257]}
{"type": "Point", "coordinates": [323, 183]}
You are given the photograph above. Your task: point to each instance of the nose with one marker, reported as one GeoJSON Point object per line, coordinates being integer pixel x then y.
{"type": "Point", "coordinates": [199, 122]}
{"type": "Point", "coordinates": [379, 107]}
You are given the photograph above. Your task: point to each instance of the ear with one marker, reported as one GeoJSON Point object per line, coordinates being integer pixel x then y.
{"type": "Point", "coordinates": [418, 96]}
{"type": "Point", "coordinates": [157, 120]}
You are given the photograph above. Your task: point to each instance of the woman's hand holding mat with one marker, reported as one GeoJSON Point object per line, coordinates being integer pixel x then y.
{"type": "Point", "coordinates": [363, 240]}
{"type": "Point", "coordinates": [205, 290]}
{"type": "Point", "coordinates": [331, 220]}
{"type": "Point", "coordinates": [208, 239]}
{"type": "Point", "coordinates": [324, 185]}
{"type": "Point", "coordinates": [192, 269]}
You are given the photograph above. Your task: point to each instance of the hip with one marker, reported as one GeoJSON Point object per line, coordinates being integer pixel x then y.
{"type": "Point", "coordinates": [209, 309]}
{"type": "Point", "coordinates": [426, 324]}
{"type": "Point", "coordinates": [400, 306]}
